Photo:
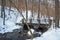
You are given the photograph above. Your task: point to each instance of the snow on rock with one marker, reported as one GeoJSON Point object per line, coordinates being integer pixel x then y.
{"type": "Point", "coordinates": [32, 30]}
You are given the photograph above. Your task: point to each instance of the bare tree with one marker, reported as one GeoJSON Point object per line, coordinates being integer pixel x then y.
{"type": "Point", "coordinates": [56, 13]}
{"type": "Point", "coordinates": [45, 2]}
{"type": "Point", "coordinates": [32, 8]}
{"type": "Point", "coordinates": [26, 11]}
{"type": "Point", "coordinates": [9, 8]}
{"type": "Point", "coordinates": [39, 12]}
{"type": "Point", "coordinates": [3, 11]}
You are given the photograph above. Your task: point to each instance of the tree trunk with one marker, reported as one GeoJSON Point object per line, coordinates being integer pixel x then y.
{"type": "Point", "coordinates": [3, 11]}
{"type": "Point", "coordinates": [32, 11]}
{"type": "Point", "coordinates": [39, 12]}
{"type": "Point", "coordinates": [9, 8]}
{"type": "Point", "coordinates": [26, 11]}
{"type": "Point", "coordinates": [56, 13]}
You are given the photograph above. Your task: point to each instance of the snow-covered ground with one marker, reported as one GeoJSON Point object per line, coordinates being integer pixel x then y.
{"type": "Point", "coordinates": [51, 34]}
{"type": "Point", "coordinates": [10, 21]}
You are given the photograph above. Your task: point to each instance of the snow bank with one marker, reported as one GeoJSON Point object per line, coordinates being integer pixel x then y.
{"type": "Point", "coordinates": [10, 21]}
{"type": "Point", "coordinates": [8, 27]}
{"type": "Point", "coordinates": [53, 34]}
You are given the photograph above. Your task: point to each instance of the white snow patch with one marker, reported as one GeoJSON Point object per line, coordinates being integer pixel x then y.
{"type": "Point", "coordinates": [53, 34]}
{"type": "Point", "coordinates": [32, 30]}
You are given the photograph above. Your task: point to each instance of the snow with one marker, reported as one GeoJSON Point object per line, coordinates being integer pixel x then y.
{"type": "Point", "coordinates": [53, 34]}
{"type": "Point", "coordinates": [8, 27]}
{"type": "Point", "coordinates": [10, 21]}
{"type": "Point", "coordinates": [32, 30]}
